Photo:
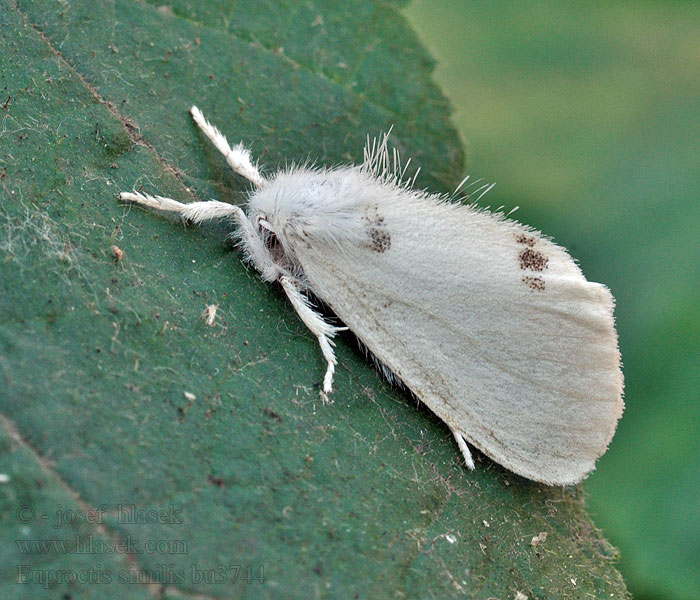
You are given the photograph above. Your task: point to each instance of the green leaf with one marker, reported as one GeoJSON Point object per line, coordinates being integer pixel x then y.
{"type": "Point", "coordinates": [117, 397]}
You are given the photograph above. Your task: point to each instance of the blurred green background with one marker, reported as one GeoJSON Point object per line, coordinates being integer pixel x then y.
{"type": "Point", "coordinates": [587, 117]}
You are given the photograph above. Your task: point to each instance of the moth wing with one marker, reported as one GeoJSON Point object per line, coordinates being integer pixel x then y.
{"type": "Point", "coordinates": [491, 325]}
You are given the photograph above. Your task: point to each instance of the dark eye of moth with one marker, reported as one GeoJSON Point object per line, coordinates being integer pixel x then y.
{"type": "Point", "coordinates": [270, 240]}
{"type": "Point", "coordinates": [273, 245]}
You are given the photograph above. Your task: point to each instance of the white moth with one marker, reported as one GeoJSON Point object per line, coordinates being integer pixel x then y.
{"type": "Point", "coordinates": [491, 325]}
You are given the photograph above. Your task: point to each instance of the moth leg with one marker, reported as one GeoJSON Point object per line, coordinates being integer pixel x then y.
{"type": "Point", "coordinates": [237, 157]}
{"type": "Point", "coordinates": [321, 329]}
{"type": "Point", "coordinates": [203, 211]}
{"type": "Point", "coordinates": [192, 211]}
{"type": "Point", "coordinates": [461, 442]}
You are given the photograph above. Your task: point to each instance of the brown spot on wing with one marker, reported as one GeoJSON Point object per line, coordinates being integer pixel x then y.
{"type": "Point", "coordinates": [527, 240]}
{"type": "Point", "coordinates": [379, 237]}
{"type": "Point", "coordinates": [534, 283]}
{"type": "Point", "coordinates": [381, 240]}
{"type": "Point", "coordinates": [533, 260]}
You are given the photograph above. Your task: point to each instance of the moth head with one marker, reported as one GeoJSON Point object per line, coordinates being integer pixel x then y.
{"type": "Point", "coordinates": [267, 234]}
{"type": "Point", "coordinates": [266, 212]}
{"type": "Point", "coordinates": [303, 206]}
{"type": "Point", "coordinates": [282, 207]}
